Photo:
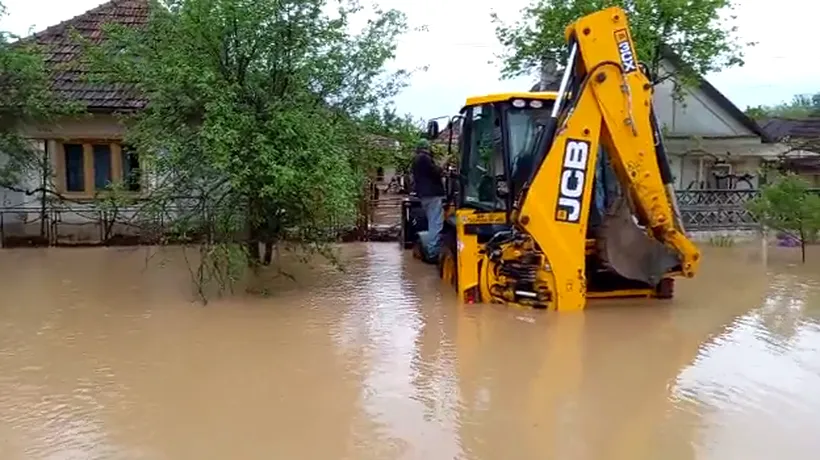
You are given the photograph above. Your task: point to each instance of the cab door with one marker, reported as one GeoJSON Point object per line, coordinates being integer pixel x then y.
{"type": "Point", "coordinates": [481, 211]}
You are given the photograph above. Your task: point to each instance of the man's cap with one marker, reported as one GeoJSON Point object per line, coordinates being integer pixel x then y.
{"type": "Point", "coordinates": [423, 144]}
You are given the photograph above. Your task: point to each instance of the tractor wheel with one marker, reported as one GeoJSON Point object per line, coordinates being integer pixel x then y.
{"type": "Point", "coordinates": [448, 267]}
{"type": "Point", "coordinates": [665, 289]}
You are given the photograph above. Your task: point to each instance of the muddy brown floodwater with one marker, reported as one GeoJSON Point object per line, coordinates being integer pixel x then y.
{"type": "Point", "coordinates": [101, 358]}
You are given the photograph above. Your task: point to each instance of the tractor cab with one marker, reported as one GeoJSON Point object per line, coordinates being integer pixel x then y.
{"type": "Point", "coordinates": [493, 138]}
{"type": "Point", "coordinates": [496, 142]}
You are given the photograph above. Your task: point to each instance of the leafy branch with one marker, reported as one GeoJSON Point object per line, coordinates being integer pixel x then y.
{"type": "Point", "coordinates": [786, 204]}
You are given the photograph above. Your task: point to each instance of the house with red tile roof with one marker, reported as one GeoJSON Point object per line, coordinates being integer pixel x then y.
{"type": "Point", "coordinates": [60, 49]}
{"type": "Point", "coordinates": [85, 152]}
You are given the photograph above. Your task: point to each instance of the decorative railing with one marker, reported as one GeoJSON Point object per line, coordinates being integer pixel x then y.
{"type": "Point", "coordinates": [716, 209]}
{"type": "Point", "coordinates": [707, 209]}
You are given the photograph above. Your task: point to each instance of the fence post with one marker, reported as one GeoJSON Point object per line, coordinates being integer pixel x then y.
{"type": "Point", "coordinates": [363, 218]}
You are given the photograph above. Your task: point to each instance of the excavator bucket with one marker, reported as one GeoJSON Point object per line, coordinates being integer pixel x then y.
{"type": "Point", "coordinates": [625, 248]}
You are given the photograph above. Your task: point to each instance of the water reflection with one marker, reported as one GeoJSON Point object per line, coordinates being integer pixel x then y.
{"type": "Point", "coordinates": [101, 358]}
{"type": "Point", "coordinates": [755, 384]}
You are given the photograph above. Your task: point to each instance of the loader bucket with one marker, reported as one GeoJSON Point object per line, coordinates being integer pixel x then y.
{"type": "Point", "coordinates": [625, 247]}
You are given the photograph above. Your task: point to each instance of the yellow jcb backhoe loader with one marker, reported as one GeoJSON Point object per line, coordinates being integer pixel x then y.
{"type": "Point", "coordinates": [565, 196]}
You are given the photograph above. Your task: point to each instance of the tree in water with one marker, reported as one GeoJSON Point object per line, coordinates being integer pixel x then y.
{"type": "Point", "coordinates": [692, 29]}
{"type": "Point", "coordinates": [258, 118]}
{"type": "Point", "coordinates": [788, 205]}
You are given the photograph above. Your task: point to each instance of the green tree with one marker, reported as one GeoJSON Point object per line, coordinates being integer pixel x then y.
{"type": "Point", "coordinates": [257, 114]}
{"type": "Point", "coordinates": [388, 125]}
{"type": "Point", "coordinates": [26, 99]}
{"type": "Point", "coordinates": [801, 106]}
{"type": "Point", "coordinates": [692, 29]}
{"type": "Point", "coordinates": [786, 204]}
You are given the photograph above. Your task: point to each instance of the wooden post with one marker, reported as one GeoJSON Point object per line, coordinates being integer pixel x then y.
{"type": "Point", "coordinates": [363, 219]}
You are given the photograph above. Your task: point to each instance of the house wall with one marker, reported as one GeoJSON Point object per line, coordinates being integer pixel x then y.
{"type": "Point", "coordinates": [21, 211]}
{"type": "Point", "coordinates": [699, 133]}
{"type": "Point", "coordinates": [45, 139]}
{"type": "Point", "coordinates": [102, 126]}
{"type": "Point", "coordinates": [696, 114]}
{"type": "Point", "coordinates": [30, 181]}
{"type": "Point", "coordinates": [691, 171]}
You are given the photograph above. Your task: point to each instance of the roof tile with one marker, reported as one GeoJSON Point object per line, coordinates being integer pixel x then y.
{"type": "Point", "coordinates": [61, 54]}
{"type": "Point", "coordinates": [794, 128]}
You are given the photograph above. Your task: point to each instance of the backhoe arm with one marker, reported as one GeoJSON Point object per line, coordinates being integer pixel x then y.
{"type": "Point", "coordinates": [605, 100]}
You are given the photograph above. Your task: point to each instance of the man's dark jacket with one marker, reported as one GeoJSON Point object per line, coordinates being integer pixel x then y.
{"type": "Point", "coordinates": [427, 176]}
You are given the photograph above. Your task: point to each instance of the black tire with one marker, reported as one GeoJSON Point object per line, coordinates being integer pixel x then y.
{"type": "Point", "coordinates": [665, 289]}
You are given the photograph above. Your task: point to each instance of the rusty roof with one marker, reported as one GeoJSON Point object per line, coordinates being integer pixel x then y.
{"type": "Point", "coordinates": [62, 55]}
{"type": "Point", "coordinates": [791, 128]}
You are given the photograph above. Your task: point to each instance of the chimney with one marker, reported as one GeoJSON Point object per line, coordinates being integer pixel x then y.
{"type": "Point", "coordinates": [550, 79]}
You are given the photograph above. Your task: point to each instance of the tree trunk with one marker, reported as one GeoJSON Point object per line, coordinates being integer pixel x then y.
{"type": "Point", "coordinates": [268, 252]}
{"type": "Point", "coordinates": [255, 232]}
{"type": "Point", "coordinates": [253, 243]}
{"type": "Point", "coordinates": [254, 257]}
{"type": "Point", "coordinates": [108, 227]}
{"type": "Point", "coordinates": [364, 218]}
{"type": "Point", "coordinates": [802, 245]}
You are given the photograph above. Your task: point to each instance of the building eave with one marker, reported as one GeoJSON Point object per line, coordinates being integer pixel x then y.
{"type": "Point", "coordinates": [722, 101]}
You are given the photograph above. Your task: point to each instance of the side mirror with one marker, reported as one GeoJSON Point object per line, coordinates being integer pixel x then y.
{"type": "Point", "coordinates": [433, 130]}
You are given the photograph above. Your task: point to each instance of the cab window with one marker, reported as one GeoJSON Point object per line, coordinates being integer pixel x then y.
{"type": "Point", "coordinates": [484, 163]}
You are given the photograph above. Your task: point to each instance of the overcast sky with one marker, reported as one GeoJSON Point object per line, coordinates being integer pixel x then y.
{"type": "Point", "coordinates": [460, 42]}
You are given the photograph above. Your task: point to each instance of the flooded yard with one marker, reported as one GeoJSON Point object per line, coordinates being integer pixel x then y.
{"type": "Point", "coordinates": [103, 357]}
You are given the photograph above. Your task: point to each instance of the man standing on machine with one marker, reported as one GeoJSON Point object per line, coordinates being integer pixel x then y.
{"type": "Point", "coordinates": [427, 183]}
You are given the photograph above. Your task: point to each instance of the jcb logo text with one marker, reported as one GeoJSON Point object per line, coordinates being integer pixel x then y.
{"type": "Point", "coordinates": [573, 179]}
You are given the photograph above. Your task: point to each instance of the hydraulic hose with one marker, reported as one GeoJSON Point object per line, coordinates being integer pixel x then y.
{"type": "Point", "coordinates": [660, 149]}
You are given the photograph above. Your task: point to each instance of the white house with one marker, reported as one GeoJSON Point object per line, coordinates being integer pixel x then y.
{"type": "Point", "coordinates": [711, 143]}
{"type": "Point", "coordinates": [83, 153]}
